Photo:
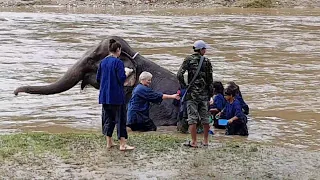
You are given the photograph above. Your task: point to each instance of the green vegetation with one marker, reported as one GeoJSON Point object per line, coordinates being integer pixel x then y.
{"type": "Point", "coordinates": [160, 156]}
{"type": "Point", "coordinates": [66, 145]}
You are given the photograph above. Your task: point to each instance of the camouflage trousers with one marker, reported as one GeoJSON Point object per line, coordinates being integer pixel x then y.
{"type": "Point", "coordinates": [197, 110]}
{"type": "Point", "coordinates": [183, 126]}
{"type": "Point", "coordinates": [194, 112]}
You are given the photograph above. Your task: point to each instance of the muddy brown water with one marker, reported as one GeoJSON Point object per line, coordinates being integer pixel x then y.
{"type": "Point", "coordinates": [274, 55]}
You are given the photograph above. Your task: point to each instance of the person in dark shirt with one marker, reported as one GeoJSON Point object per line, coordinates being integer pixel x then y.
{"type": "Point", "coordinates": [111, 76]}
{"type": "Point", "coordinates": [218, 102]}
{"type": "Point", "coordinates": [198, 95]}
{"type": "Point", "coordinates": [237, 120]}
{"type": "Point", "coordinates": [244, 106]}
{"type": "Point", "coordinates": [139, 105]}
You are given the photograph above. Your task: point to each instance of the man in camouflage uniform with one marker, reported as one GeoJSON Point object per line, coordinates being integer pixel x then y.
{"type": "Point", "coordinates": [200, 91]}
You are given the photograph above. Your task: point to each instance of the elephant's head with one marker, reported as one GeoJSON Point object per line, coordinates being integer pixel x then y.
{"type": "Point", "coordinates": [85, 70]}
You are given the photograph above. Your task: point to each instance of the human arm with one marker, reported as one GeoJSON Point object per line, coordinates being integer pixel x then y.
{"type": "Point", "coordinates": [234, 118]}
{"type": "Point", "coordinates": [180, 74]}
{"type": "Point", "coordinates": [120, 70]}
{"type": "Point", "coordinates": [209, 78]}
{"type": "Point", "coordinates": [218, 104]}
{"type": "Point", "coordinates": [172, 96]}
{"type": "Point", "coordinates": [238, 113]}
{"type": "Point", "coordinates": [219, 114]}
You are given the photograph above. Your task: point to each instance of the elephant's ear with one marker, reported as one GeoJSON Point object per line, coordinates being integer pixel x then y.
{"type": "Point", "coordinates": [129, 63]}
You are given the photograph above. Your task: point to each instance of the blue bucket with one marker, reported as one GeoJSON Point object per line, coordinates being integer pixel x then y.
{"type": "Point", "coordinates": [222, 122]}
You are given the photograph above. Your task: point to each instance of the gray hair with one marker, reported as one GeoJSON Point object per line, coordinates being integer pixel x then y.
{"type": "Point", "coordinates": [145, 75]}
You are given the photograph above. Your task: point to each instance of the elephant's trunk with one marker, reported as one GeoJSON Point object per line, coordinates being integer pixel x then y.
{"type": "Point", "coordinates": [70, 79]}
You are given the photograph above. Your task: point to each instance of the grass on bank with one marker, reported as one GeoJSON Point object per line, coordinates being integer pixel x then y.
{"type": "Point", "coordinates": [75, 152]}
{"type": "Point", "coordinates": [72, 144]}
{"type": "Point", "coordinates": [68, 144]}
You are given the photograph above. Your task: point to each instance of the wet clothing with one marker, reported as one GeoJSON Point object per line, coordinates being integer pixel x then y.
{"type": "Point", "coordinates": [138, 108]}
{"type": "Point", "coordinates": [202, 88]}
{"type": "Point", "coordinates": [239, 126]}
{"type": "Point", "coordinates": [219, 102]}
{"type": "Point", "coordinates": [144, 127]}
{"type": "Point", "coordinates": [244, 106]}
{"type": "Point", "coordinates": [113, 115]}
{"type": "Point", "coordinates": [111, 76]}
{"type": "Point", "coordinates": [200, 91]}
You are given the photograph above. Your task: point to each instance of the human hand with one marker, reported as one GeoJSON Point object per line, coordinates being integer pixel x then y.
{"type": "Point", "coordinates": [230, 121]}
{"type": "Point", "coordinates": [218, 115]}
{"type": "Point", "coordinates": [176, 96]}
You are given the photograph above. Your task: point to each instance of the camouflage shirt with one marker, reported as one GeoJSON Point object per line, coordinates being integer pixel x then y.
{"type": "Point", "coordinates": [201, 89]}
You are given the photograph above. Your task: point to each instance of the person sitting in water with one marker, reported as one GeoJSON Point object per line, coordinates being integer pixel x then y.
{"type": "Point", "coordinates": [139, 104]}
{"type": "Point", "coordinates": [218, 102]}
{"type": "Point", "coordinates": [237, 120]}
{"type": "Point", "coordinates": [244, 106]}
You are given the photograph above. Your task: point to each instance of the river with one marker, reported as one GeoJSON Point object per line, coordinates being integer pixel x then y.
{"type": "Point", "coordinates": [274, 55]}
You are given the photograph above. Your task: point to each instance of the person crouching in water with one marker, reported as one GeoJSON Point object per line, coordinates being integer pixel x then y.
{"type": "Point", "coordinates": [245, 107]}
{"type": "Point", "coordinates": [139, 104]}
{"type": "Point", "coordinates": [111, 76]}
{"type": "Point", "coordinates": [237, 120]}
{"type": "Point", "coordinates": [218, 102]}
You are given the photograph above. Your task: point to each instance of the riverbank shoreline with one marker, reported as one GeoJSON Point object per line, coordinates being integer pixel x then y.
{"type": "Point", "coordinates": [163, 4]}
{"type": "Point", "coordinates": [84, 155]}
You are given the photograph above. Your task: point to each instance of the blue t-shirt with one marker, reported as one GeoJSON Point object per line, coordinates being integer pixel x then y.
{"type": "Point", "coordinates": [111, 76]}
{"type": "Point", "coordinates": [139, 104]}
{"type": "Point", "coordinates": [243, 104]}
{"type": "Point", "coordinates": [234, 109]}
{"type": "Point", "coordinates": [219, 102]}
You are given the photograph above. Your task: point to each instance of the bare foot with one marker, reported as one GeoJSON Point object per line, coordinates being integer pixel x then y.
{"type": "Point", "coordinates": [111, 145]}
{"type": "Point", "coordinates": [126, 147]}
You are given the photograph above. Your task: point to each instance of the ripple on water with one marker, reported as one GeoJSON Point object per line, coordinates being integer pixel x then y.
{"type": "Point", "coordinates": [274, 59]}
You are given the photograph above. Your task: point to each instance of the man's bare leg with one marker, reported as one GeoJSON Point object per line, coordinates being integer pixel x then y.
{"type": "Point", "coordinates": [206, 128]}
{"type": "Point", "coordinates": [193, 131]}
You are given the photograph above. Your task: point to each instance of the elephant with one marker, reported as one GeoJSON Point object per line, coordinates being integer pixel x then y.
{"type": "Point", "coordinates": [85, 70]}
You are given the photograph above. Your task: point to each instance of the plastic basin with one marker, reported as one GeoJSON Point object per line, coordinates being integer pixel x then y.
{"type": "Point", "coordinates": [222, 122]}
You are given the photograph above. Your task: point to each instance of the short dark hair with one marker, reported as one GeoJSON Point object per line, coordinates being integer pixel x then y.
{"type": "Point", "coordinates": [114, 45]}
{"type": "Point", "coordinates": [230, 91]}
{"type": "Point", "coordinates": [217, 87]}
{"type": "Point", "coordinates": [197, 50]}
{"type": "Point", "coordinates": [234, 86]}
